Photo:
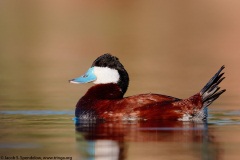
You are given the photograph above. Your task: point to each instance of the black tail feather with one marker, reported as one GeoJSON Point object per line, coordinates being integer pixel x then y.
{"type": "Point", "coordinates": [213, 80]}
{"type": "Point", "coordinates": [214, 97]}
{"type": "Point", "coordinates": [210, 91]}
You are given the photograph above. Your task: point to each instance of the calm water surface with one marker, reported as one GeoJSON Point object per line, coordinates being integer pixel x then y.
{"type": "Point", "coordinates": [46, 134]}
{"type": "Point", "coordinates": [167, 47]}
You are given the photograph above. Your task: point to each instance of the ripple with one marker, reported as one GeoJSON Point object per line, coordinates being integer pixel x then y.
{"type": "Point", "coordinates": [233, 113]}
{"type": "Point", "coordinates": [38, 112]}
{"type": "Point", "coordinates": [225, 118]}
{"type": "Point", "coordinates": [224, 122]}
{"type": "Point", "coordinates": [18, 145]}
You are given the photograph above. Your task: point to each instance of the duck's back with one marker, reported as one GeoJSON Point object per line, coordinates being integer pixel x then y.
{"type": "Point", "coordinates": [147, 106]}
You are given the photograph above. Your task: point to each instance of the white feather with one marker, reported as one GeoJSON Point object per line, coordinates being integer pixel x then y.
{"type": "Point", "coordinates": [185, 118]}
{"type": "Point", "coordinates": [106, 75]}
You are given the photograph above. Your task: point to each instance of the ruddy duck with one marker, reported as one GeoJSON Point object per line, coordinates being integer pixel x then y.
{"type": "Point", "coordinates": [105, 101]}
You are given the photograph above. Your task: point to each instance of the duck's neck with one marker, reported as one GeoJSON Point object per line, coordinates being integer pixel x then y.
{"type": "Point", "coordinates": [104, 91]}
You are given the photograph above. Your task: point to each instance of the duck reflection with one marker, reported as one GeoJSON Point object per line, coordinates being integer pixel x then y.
{"type": "Point", "coordinates": [120, 140]}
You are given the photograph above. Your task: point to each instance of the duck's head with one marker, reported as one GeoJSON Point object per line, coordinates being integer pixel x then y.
{"type": "Point", "coordinates": [105, 69]}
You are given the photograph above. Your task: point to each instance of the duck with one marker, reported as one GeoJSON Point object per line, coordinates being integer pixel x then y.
{"type": "Point", "coordinates": [105, 100]}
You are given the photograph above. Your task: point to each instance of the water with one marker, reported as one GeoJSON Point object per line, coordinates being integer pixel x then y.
{"type": "Point", "coordinates": [53, 134]}
{"type": "Point", "coordinates": [167, 47]}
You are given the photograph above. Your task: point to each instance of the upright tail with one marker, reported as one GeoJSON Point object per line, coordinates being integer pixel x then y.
{"type": "Point", "coordinates": [210, 93]}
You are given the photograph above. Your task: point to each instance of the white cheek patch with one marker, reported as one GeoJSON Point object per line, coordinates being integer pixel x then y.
{"type": "Point", "coordinates": [106, 75]}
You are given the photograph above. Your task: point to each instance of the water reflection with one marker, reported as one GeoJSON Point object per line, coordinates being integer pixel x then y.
{"type": "Point", "coordinates": [115, 140]}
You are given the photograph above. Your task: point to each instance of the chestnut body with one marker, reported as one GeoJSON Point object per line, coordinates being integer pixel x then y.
{"type": "Point", "coordinates": [106, 102]}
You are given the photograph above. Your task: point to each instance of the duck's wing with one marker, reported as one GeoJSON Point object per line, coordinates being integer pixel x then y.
{"type": "Point", "coordinates": [146, 107]}
{"type": "Point", "coordinates": [147, 99]}
{"type": "Point", "coordinates": [138, 107]}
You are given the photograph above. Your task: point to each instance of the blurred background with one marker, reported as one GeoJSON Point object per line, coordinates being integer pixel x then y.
{"type": "Point", "coordinates": [168, 47]}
